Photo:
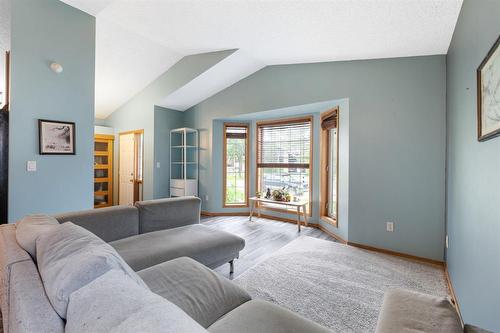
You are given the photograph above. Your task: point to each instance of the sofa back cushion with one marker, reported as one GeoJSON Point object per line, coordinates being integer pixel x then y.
{"type": "Point", "coordinates": [168, 213]}
{"type": "Point", "coordinates": [70, 257]}
{"type": "Point", "coordinates": [30, 227]}
{"type": "Point", "coordinates": [21, 290]}
{"type": "Point", "coordinates": [109, 223]}
{"type": "Point", "coordinates": [202, 293]}
{"type": "Point", "coordinates": [134, 309]}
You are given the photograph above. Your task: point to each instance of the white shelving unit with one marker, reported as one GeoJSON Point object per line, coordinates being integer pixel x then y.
{"type": "Point", "coordinates": [183, 162]}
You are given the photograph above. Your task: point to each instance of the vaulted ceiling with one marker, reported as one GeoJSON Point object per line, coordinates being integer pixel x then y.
{"type": "Point", "coordinates": [139, 40]}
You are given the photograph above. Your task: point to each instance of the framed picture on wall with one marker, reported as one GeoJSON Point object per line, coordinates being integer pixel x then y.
{"type": "Point", "coordinates": [56, 137]}
{"type": "Point", "coordinates": [488, 95]}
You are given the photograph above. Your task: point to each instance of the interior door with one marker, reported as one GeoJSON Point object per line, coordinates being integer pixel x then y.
{"type": "Point", "coordinates": [126, 169]}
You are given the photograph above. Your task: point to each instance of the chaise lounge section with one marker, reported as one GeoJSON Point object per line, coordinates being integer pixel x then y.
{"type": "Point", "coordinates": [155, 231]}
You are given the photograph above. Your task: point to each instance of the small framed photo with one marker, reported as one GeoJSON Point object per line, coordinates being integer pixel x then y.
{"type": "Point", "coordinates": [56, 137]}
{"type": "Point", "coordinates": [488, 95]}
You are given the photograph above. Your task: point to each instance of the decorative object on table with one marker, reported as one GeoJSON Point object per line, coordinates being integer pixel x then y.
{"type": "Point", "coordinates": [258, 194]}
{"type": "Point", "coordinates": [488, 95]}
{"type": "Point", "coordinates": [281, 195]}
{"type": "Point", "coordinates": [56, 137]}
{"type": "Point", "coordinates": [268, 193]}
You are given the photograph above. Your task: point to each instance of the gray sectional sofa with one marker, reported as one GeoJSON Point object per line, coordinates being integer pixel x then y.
{"type": "Point", "coordinates": [60, 277]}
{"type": "Point", "coordinates": [152, 232]}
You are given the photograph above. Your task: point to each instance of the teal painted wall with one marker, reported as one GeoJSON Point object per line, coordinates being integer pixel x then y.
{"type": "Point", "coordinates": [139, 111]}
{"type": "Point", "coordinates": [473, 183]}
{"type": "Point", "coordinates": [165, 120]}
{"type": "Point", "coordinates": [57, 32]}
{"type": "Point", "coordinates": [396, 140]}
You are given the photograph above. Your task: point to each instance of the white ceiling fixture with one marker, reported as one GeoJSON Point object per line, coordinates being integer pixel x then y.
{"type": "Point", "coordinates": [269, 32]}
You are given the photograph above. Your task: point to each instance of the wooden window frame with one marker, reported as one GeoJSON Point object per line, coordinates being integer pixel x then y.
{"type": "Point", "coordinates": [257, 178]}
{"type": "Point", "coordinates": [324, 176]}
{"type": "Point", "coordinates": [247, 166]}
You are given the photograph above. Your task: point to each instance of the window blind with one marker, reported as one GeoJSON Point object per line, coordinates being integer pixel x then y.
{"type": "Point", "coordinates": [236, 132]}
{"type": "Point", "coordinates": [330, 121]}
{"type": "Point", "coordinates": [284, 145]}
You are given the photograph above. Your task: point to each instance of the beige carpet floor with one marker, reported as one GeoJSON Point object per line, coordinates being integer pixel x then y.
{"type": "Point", "coordinates": [335, 285]}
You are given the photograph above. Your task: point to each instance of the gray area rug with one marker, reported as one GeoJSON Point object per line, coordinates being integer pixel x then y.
{"type": "Point", "coordinates": [335, 285]}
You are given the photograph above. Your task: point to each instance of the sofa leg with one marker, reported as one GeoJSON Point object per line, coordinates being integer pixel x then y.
{"type": "Point", "coordinates": [231, 267]}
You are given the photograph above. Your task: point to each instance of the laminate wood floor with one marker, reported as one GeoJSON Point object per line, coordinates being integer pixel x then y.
{"type": "Point", "coordinates": [263, 237]}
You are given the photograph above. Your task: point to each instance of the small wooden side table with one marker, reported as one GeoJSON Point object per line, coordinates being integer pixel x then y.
{"type": "Point", "coordinates": [299, 205]}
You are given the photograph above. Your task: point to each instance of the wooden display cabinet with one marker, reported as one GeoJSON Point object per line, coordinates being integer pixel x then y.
{"type": "Point", "coordinates": [103, 170]}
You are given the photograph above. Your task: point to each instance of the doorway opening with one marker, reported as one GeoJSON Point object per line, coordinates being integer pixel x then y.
{"type": "Point", "coordinates": [130, 167]}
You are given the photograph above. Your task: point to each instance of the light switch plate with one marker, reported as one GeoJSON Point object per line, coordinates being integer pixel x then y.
{"type": "Point", "coordinates": [390, 226]}
{"type": "Point", "coordinates": [31, 166]}
{"type": "Point", "coordinates": [157, 165]}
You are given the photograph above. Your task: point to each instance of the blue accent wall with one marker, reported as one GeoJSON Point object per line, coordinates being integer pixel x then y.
{"type": "Point", "coordinates": [473, 177]}
{"type": "Point", "coordinates": [44, 31]}
{"type": "Point", "coordinates": [396, 141]}
{"type": "Point", "coordinates": [165, 120]}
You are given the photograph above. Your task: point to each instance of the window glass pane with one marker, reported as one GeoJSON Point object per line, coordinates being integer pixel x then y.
{"type": "Point", "coordinates": [295, 181]}
{"type": "Point", "coordinates": [100, 146]}
{"type": "Point", "coordinates": [236, 140]}
{"type": "Point", "coordinates": [332, 179]}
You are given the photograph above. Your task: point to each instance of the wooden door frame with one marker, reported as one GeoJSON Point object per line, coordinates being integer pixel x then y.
{"type": "Point", "coordinates": [136, 183]}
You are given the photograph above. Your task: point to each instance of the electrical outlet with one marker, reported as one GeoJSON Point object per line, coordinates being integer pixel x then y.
{"type": "Point", "coordinates": [206, 197]}
{"type": "Point", "coordinates": [389, 226]}
{"type": "Point", "coordinates": [446, 241]}
{"type": "Point", "coordinates": [157, 165]}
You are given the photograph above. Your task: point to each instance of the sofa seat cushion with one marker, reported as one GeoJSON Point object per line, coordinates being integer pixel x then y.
{"type": "Point", "coordinates": [409, 311]}
{"type": "Point", "coordinates": [115, 303]}
{"type": "Point", "coordinates": [70, 257]}
{"type": "Point", "coordinates": [259, 316]}
{"type": "Point", "coordinates": [206, 245]}
{"type": "Point", "coordinates": [200, 292]}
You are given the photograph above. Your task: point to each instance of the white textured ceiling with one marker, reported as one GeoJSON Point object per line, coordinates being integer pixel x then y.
{"type": "Point", "coordinates": [158, 32]}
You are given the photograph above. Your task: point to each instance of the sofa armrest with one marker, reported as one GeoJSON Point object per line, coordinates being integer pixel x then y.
{"type": "Point", "coordinates": [410, 311]}
{"type": "Point", "coordinates": [203, 294]}
{"type": "Point", "coordinates": [168, 213]}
